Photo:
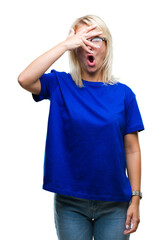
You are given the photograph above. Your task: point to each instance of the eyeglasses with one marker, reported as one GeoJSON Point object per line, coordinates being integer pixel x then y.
{"type": "Point", "coordinates": [98, 39]}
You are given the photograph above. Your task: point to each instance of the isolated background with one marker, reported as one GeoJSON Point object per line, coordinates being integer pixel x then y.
{"type": "Point", "coordinates": [28, 29]}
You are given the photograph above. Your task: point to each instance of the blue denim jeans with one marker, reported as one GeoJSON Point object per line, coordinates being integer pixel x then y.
{"type": "Point", "coordinates": [83, 219]}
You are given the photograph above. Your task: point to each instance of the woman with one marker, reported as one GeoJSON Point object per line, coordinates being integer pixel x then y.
{"type": "Point", "coordinates": [92, 136]}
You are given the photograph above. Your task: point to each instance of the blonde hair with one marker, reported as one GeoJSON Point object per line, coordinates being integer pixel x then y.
{"type": "Point", "coordinates": [75, 68]}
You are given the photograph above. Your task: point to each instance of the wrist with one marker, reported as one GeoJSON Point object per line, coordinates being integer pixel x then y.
{"type": "Point", "coordinates": [137, 193]}
{"type": "Point", "coordinates": [135, 199]}
{"type": "Point", "coordinates": [64, 45]}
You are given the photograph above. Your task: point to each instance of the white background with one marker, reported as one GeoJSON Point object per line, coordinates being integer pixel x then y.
{"type": "Point", "coordinates": [28, 29]}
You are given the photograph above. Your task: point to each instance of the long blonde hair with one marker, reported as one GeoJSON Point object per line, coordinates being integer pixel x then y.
{"type": "Point", "coordinates": [75, 68]}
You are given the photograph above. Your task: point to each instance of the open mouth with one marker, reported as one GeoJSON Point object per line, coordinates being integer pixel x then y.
{"type": "Point", "coordinates": [91, 60]}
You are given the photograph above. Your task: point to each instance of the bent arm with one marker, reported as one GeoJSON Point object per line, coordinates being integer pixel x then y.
{"type": "Point", "coordinates": [29, 78]}
{"type": "Point", "coordinates": [133, 159]}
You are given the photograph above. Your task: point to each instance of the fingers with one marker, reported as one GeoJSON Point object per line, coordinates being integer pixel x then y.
{"type": "Point", "coordinates": [128, 221]}
{"type": "Point", "coordinates": [91, 27]}
{"type": "Point", "coordinates": [90, 35]}
{"type": "Point", "coordinates": [86, 30]}
{"type": "Point", "coordinates": [80, 38]}
{"type": "Point", "coordinates": [90, 43]}
{"type": "Point", "coordinates": [135, 222]}
{"type": "Point", "coordinates": [133, 229]}
{"type": "Point", "coordinates": [86, 48]}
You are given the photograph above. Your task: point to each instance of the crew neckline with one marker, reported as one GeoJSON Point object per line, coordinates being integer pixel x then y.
{"type": "Point", "coordinates": [91, 83]}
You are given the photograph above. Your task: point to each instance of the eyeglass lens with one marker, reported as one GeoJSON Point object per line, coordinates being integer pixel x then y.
{"type": "Point", "coordinates": [96, 39]}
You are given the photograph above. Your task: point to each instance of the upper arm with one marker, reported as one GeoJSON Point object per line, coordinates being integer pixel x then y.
{"type": "Point", "coordinates": [43, 87]}
{"type": "Point", "coordinates": [34, 88]}
{"type": "Point", "coordinates": [133, 118]}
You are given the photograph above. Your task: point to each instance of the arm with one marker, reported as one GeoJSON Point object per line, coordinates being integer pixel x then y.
{"type": "Point", "coordinates": [133, 159]}
{"type": "Point", "coordinates": [29, 78]}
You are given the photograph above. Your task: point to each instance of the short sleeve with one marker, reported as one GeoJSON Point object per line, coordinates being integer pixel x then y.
{"type": "Point", "coordinates": [133, 118]}
{"type": "Point", "coordinates": [48, 84]}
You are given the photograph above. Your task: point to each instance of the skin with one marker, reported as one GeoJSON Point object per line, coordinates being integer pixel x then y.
{"type": "Point", "coordinates": [91, 73]}
{"type": "Point", "coordinates": [79, 39]}
{"type": "Point", "coordinates": [133, 159]}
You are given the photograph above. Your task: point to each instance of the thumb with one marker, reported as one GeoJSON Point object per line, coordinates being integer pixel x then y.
{"type": "Point", "coordinates": [71, 32]}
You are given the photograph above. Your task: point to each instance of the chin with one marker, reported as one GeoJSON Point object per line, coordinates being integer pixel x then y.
{"type": "Point", "coordinates": [94, 70]}
{"type": "Point", "coordinates": [91, 69]}
{"type": "Point", "coordinates": [91, 72]}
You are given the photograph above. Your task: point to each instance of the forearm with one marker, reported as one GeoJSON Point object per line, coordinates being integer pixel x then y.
{"type": "Point", "coordinates": [134, 172]}
{"type": "Point", "coordinates": [40, 65]}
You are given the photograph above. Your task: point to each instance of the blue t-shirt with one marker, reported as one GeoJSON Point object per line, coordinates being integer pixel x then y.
{"type": "Point", "coordinates": [84, 151]}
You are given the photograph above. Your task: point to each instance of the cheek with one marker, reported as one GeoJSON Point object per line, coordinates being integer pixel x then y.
{"type": "Point", "coordinates": [103, 53]}
{"type": "Point", "coordinates": [79, 53]}
{"type": "Point", "coordinates": [81, 58]}
{"type": "Point", "coordinates": [101, 56]}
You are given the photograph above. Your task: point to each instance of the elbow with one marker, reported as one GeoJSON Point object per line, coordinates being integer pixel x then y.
{"type": "Point", "coordinates": [21, 80]}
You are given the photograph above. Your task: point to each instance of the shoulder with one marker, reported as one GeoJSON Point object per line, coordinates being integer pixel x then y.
{"type": "Point", "coordinates": [128, 91]}
{"type": "Point", "coordinates": [59, 73]}
{"type": "Point", "coordinates": [125, 87]}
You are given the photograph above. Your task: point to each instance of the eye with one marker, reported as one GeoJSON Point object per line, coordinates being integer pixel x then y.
{"type": "Point", "coordinates": [96, 39]}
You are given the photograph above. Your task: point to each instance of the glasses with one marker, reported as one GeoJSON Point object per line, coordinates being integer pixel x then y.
{"type": "Point", "coordinates": [98, 39]}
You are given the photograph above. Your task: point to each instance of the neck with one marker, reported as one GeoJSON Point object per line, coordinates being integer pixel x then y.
{"type": "Point", "coordinates": [94, 77]}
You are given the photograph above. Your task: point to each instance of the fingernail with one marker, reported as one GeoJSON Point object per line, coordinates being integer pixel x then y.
{"type": "Point", "coordinates": [127, 226]}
